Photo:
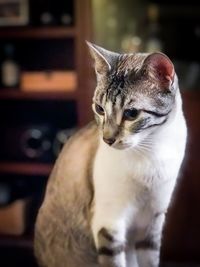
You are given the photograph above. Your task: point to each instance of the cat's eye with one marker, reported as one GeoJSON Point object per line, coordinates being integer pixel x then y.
{"type": "Point", "coordinates": [130, 114]}
{"type": "Point", "coordinates": [99, 109]}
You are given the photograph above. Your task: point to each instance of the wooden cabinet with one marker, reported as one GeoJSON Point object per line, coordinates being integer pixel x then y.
{"type": "Point", "coordinates": [48, 48]}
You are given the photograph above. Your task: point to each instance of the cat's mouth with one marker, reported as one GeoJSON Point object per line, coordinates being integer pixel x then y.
{"type": "Point", "coordinates": [127, 143]}
{"type": "Point", "coordinates": [121, 144]}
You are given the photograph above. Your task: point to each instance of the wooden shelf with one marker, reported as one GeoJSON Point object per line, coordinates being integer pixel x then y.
{"type": "Point", "coordinates": [23, 168]}
{"type": "Point", "coordinates": [37, 33]}
{"type": "Point", "coordinates": [16, 241]}
{"type": "Point", "coordinates": [18, 94]}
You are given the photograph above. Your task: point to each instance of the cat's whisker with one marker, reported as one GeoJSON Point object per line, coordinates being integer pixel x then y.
{"type": "Point", "coordinates": [150, 144]}
{"type": "Point", "coordinates": [144, 149]}
{"type": "Point", "coordinates": [147, 147]}
{"type": "Point", "coordinates": [139, 151]}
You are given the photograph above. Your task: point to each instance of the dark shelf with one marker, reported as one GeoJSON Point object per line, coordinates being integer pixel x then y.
{"type": "Point", "coordinates": [16, 241]}
{"type": "Point", "coordinates": [19, 94]}
{"type": "Point", "coordinates": [24, 168]}
{"type": "Point", "coordinates": [37, 33]}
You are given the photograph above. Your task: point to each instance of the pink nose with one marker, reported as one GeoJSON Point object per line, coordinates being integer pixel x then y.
{"type": "Point", "coordinates": [109, 141]}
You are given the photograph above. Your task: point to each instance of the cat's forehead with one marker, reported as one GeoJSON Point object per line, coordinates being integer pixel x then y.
{"type": "Point", "coordinates": [126, 79]}
{"type": "Point", "coordinates": [127, 63]}
{"type": "Point", "coordinates": [123, 78]}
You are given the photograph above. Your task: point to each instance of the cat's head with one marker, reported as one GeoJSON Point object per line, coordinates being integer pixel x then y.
{"type": "Point", "coordinates": [134, 96]}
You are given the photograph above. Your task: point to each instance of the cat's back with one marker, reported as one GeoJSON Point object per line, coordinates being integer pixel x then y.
{"type": "Point", "coordinates": [67, 203]}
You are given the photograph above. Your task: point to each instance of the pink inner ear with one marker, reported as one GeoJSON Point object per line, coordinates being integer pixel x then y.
{"type": "Point", "coordinates": [161, 66]}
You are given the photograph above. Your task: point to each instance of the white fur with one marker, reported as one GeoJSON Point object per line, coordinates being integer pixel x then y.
{"type": "Point", "coordinates": [130, 187]}
{"type": "Point", "coordinates": [109, 108]}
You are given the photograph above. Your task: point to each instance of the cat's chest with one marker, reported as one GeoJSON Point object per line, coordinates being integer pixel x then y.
{"type": "Point", "coordinates": [130, 182]}
{"type": "Point", "coordinates": [133, 178]}
{"type": "Point", "coordinates": [115, 165]}
{"type": "Point", "coordinates": [121, 177]}
{"type": "Point", "coordinates": [146, 168]}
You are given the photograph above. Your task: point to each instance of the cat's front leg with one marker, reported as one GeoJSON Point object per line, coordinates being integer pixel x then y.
{"type": "Point", "coordinates": [111, 248]}
{"type": "Point", "coordinates": [109, 235]}
{"type": "Point", "coordinates": [148, 249]}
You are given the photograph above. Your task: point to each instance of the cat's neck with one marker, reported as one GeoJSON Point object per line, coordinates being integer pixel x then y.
{"type": "Point", "coordinates": [175, 125]}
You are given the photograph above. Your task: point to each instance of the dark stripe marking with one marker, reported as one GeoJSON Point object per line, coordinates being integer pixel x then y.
{"type": "Point", "coordinates": [147, 244]}
{"type": "Point", "coordinates": [110, 252]}
{"type": "Point", "coordinates": [123, 98]}
{"type": "Point", "coordinates": [106, 235]}
{"type": "Point", "coordinates": [101, 98]}
{"type": "Point", "coordinates": [156, 113]}
{"type": "Point", "coordinates": [155, 124]}
{"type": "Point", "coordinates": [140, 126]}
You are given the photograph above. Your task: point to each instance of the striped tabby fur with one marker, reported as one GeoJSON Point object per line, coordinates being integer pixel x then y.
{"type": "Point", "coordinates": [110, 188]}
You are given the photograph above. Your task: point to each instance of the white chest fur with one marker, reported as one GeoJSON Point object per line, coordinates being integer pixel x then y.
{"type": "Point", "coordinates": [139, 185]}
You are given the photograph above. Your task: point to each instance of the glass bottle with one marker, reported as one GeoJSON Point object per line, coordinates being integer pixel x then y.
{"type": "Point", "coordinates": [153, 41]}
{"type": "Point", "coordinates": [9, 68]}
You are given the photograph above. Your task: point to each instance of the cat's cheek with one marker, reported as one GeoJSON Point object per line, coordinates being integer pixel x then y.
{"type": "Point", "coordinates": [138, 138]}
{"type": "Point", "coordinates": [135, 139]}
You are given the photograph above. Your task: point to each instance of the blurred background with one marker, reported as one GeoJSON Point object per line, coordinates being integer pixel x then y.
{"type": "Point", "coordinates": [46, 86]}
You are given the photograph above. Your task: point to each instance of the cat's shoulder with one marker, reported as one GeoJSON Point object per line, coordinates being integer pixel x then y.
{"type": "Point", "coordinates": [76, 157]}
{"type": "Point", "coordinates": [85, 136]}
{"type": "Point", "coordinates": [82, 145]}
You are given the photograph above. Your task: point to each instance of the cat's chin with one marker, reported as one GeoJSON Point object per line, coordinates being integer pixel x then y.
{"type": "Point", "coordinates": [122, 146]}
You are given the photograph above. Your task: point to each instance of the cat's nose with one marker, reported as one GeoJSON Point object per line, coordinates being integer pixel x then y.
{"type": "Point", "coordinates": [109, 141]}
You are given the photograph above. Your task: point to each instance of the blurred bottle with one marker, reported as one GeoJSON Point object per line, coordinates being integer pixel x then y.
{"type": "Point", "coordinates": [132, 42]}
{"type": "Point", "coordinates": [153, 41]}
{"type": "Point", "coordinates": [66, 19]}
{"type": "Point", "coordinates": [61, 138]}
{"type": "Point", "coordinates": [5, 194]}
{"type": "Point", "coordinates": [47, 18]}
{"type": "Point", "coordinates": [10, 70]}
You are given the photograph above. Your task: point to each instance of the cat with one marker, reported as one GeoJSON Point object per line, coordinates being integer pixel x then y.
{"type": "Point", "coordinates": [109, 191]}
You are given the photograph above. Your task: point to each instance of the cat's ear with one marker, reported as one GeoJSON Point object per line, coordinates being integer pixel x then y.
{"type": "Point", "coordinates": [159, 67]}
{"type": "Point", "coordinates": [103, 59]}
